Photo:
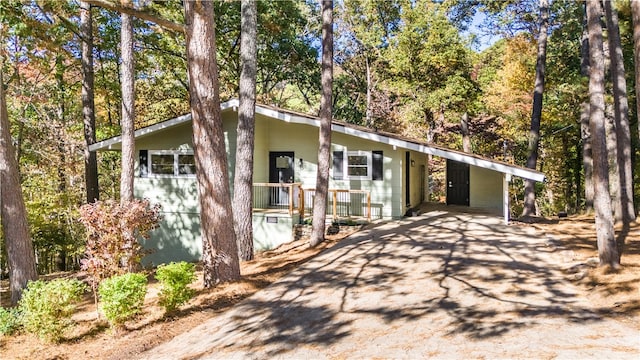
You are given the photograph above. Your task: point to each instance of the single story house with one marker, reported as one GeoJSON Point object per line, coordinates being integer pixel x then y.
{"type": "Point", "coordinates": [373, 175]}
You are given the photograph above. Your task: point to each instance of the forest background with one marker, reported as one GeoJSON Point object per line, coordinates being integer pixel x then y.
{"type": "Point", "coordinates": [408, 67]}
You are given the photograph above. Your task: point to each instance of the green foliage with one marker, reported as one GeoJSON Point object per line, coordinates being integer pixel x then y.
{"type": "Point", "coordinates": [175, 279]}
{"type": "Point", "coordinates": [46, 307]}
{"type": "Point", "coordinates": [9, 321]}
{"type": "Point", "coordinates": [285, 48]}
{"type": "Point", "coordinates": [113, 230]}
{"type": "Point", "coordinates": [122, 297]}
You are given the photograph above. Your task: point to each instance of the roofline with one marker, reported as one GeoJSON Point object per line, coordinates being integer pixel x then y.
{"type": "Point", "coordinates": [347, 129]}
{"type": "Point", "coordinates": [109, 143]}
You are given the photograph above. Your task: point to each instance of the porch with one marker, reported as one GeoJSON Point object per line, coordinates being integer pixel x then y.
{"type": "Point", "coordinates": [343, 205]}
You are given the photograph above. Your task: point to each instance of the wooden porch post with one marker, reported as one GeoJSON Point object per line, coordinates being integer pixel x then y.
{"type": "Point", "coordinates": [301, 203]}
{"type": "Point", "coordinates": [335, 207]}
{"type": "Point", "coordinates": [291, 200]}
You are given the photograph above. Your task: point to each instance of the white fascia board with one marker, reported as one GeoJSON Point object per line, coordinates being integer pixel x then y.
{"type": "Point", "coordinates": [110, 144]}
{"type": "Point", "coordinates": [290, 118]}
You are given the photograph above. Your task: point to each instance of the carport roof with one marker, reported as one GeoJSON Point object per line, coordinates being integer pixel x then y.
{"type": "Point", "coordinates": [344, 128]}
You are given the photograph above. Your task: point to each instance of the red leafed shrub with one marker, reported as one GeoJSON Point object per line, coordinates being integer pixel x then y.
{"type": "Point", "coordinates": [113, 230]}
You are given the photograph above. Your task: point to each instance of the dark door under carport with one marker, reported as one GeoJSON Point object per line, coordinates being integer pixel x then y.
{"type": "Point", "coordinates": [457, 183]}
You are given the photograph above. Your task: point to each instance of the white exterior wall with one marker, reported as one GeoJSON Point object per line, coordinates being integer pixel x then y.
{"type": "Point", "coordinates": [486, 189]}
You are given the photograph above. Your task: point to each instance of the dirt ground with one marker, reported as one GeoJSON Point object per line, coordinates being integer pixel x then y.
{"type": "Point", "coordinates": [614, 295]}
{"type": "Point", "coordinates": [613, 292]}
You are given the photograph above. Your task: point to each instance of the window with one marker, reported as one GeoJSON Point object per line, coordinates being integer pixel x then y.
{"type": "Point", "coordinates": [352, 165]}
{"type": "Point", "coordinates": [168, 163]}
{"type": "Point", "coordinates": [358, 165]}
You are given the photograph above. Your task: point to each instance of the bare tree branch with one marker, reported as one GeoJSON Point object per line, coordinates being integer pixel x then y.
{"type": "Point", "coordinates": [170, 25]}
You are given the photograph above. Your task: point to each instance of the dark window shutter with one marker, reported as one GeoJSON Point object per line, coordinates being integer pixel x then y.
{"type": "Point", "coordinates": [376, 166]}
{"type": "Point", "coordinates": [143, 164]}
{"type": "Point", "coordinates": [338, 165]}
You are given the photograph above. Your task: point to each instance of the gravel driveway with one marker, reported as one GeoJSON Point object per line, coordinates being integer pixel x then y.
{"type": "Point", "coordinates": [439, 285]}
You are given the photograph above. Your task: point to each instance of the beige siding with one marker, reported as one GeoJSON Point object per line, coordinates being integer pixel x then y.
{"type": "Point", "coordinates": [485, 189]}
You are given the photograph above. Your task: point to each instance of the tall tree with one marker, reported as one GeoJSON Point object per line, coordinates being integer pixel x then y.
{"type": "Point", "coordinates": [621, 115]}
{"type": "Point", "coordinates": [585, 132]}
{"type": "Point", "coordinates": [127, 69]}
{"type": "Point", "coordinates": [635, 14]}
{"type": "Point", "coordinates": [607, 249]}
{"type": "Point", "coordinates": [326, 108]}
{"type": "Point", "coordinates": [464, 129]}
{"type": "Point", "coordinates": [22, 264]}
{"type": "Point", "coordinates": [219, 248]}
{"type": "Point", "coordinates": [538, 92]}
{"type": "Point", "coordinates": [88, 104]}
{"type": "Point", "coordinates": [243, 181]}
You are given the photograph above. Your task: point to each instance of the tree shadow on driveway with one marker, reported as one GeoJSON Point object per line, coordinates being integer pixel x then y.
{"type": "Point", "coordinates": [434, 277]}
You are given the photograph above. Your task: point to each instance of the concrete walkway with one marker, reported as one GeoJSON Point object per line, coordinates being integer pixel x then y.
{"type": "Point", "coordinates": [439, 285]}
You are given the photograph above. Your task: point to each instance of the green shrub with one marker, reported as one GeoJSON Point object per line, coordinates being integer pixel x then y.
{"type": "Point", "coordinates": [175, 278]}
{"type": "Point", "coordinates": [9, 321]}
{"type": "Point", "coordinates": [46, 307]}
{"type": "Point", "coordinates": [122, 297]}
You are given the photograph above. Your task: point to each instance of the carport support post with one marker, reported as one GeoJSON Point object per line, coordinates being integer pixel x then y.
{"type": "Point", "coordinates": [506, 179]}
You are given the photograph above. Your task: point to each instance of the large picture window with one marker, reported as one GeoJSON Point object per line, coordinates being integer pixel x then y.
{"type": "Point", "coordinates": [168, 163]}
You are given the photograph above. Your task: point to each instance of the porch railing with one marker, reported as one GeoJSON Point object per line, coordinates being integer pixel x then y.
{"type": "Point", "coordinates": [341, 203]}
{"type": "Point", "coordinates": [276, 196]}
{"type": "Point", "coordinates": [291, 197]}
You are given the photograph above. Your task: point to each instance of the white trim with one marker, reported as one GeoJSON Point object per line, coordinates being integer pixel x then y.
{"type": "Point", "coordinates": [369, 166]}
{"type": "Point", "coordinates": [339, 128]}
{"type": "Point", "coordinates": [176, 164]}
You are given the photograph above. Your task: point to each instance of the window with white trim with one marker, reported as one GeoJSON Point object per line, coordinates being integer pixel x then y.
{"type": "Point", "coordinates": [358, 165]}
{"type": "Point", "coordinates": [170, 163]}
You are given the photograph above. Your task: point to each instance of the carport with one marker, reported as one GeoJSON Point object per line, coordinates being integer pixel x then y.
{"type": "Point", "coordinates": [471, 180]}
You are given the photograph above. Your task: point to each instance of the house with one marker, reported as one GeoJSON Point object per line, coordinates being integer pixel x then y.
{"type": "Point", "coordinates": [375, 175]}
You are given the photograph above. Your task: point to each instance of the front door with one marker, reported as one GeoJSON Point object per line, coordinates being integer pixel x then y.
{"type": "Point", "coordinates": [457, 183]}
{"type": "Point", "coordinates": [280, 171]}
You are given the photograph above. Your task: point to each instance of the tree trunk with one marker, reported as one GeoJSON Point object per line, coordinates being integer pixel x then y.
{"type": "Point", "coordinates": [464, 129]}
{"type": "Point", "coordinates": [20, 254]}
{"type": "Point", "coordinates": [607, 249]}
{"type": "Point", "coordinates": [587, 157]}
{"type": "Point", "coordinates": [326, 109]}
{"type": "Point", "coordinates": [368, 111]}
{"type": "Point", "coordinates": [585, 133]}
{"type": "Point", "coordinates": [219, 247]}
{"type": "Point", "coordinates": [611, 140]}
{"type": "Point", "coordinates": [635, 14]}
{"type": "Point", "coordinates": [60, 127]}
{"type": "Point", "coordinates": [243, 181]}
{"type": "Point", "coordinates": [534, 135]}
{"type": "Point", "coordinates": [128, 106]}
{"type": "Point", "coordinates": [88, 105]}
{"type": "Point", "coordinates": [621, 115]}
